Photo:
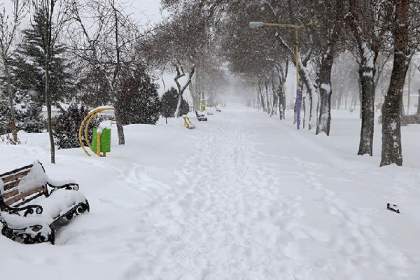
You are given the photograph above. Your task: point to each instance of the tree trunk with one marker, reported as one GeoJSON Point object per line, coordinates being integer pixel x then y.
{"type": "Point", "coordinates": [324, 121]}
{"type": "Point", "coordinates": [282, 103]}
{"type": "Point", "coordinates": [48, 55]}
{"type": "Point", "coordinates": [304, 111]}
{"type": "Point", "coordinates": [180, 88]}
{"type": "Point", "coordinates": [120, 127]}
{"type": "Point", "coordinates": [178, 106]}
{"type": "Point", "coordinates": [48, 104]}
{"type": "Point", "coordinates": [391, 111]}
{"type": "Point", "coordinates": [418, 104]}
{"type": "Point", "coordinates": [409, 91]}
{"type": "Point", "coordinates": [12, 113]}
{"type": "Point", "coordinates": [366, 75]}
{"type": "Point", "coordinates": [261, 96]}
{"type": "Point", "coordinates": [275, 104]}
{"type": "Point", "coordinates": [311, 105]}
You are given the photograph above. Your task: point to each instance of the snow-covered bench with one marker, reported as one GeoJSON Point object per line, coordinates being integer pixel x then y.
{"type": "Point", "coordinates": [32, 206]}
{"type": "Point", "coordinates": [201, 117]}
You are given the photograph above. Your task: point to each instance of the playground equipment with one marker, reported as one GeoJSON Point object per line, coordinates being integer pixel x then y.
{"type": "Point", "coordinates": [101, 137]}
{"type": "Point", "coordinates": [188, 123]}
{"type": "Point", "coordinates": [203, 103]}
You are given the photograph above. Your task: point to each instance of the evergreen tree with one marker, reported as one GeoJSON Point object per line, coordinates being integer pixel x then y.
{"type": "Point", "coordinates": [27, 111]}
{"type": "Point", "coordinates": [29, 76]}
{"type": "Point", "coordinates": [31, 57]}
{"type": "Point", "coordinates": [67, 127]}
{"type": "Point", "coordinates": [138, 100]}
{"type": "Point", "coordinates": [3, 115]}
{"type": "Point", "coordinates": [169, 102]}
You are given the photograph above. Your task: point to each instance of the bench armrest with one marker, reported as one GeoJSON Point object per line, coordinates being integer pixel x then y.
{"type": "Point", "coordinates": [69, 186]}
{"type": "Point", "coordinates": [28, 210]}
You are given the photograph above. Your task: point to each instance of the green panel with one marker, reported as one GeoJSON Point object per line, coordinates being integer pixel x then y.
{"type": "Point", "coordinates": [106, 140]}
{"type": "Point", "coordinates": [94, 137]}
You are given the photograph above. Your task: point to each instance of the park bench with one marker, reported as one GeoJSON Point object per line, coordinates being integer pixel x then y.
{"type": "Point", "coordinates": [200, 117]}
{"type": "Point", "coordinates": [410, 119]}
{"type": "Point", "coordinates": [32, 206]}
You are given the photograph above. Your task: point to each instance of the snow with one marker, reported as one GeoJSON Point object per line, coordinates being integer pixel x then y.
{"type": "Point", "coordinates": [15, 221]}
{"type": "Point", "coordinates": [242, 196]}
{"type": "Point", "coordinates": [104, 125]}
{"type": "Point", "coordinates": [35, 178]}
{"type": "Point", "coordinates": [1, 186]}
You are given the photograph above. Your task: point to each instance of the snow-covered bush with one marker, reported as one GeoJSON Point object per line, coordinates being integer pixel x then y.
{"type": "Point", "coordinates": [138, 101]}
{"type": "Point", "coordinates": [67, 127]}
{"type": "Point", "coordinates": [29, 112]}
{"type": "Point", "coordinates": [3, 116]}
{"type": "Point", "coordinates": [169, 102]}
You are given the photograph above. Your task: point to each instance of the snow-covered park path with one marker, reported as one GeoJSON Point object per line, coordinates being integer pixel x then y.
{"type": "Point", "coordinates": [240, 197]}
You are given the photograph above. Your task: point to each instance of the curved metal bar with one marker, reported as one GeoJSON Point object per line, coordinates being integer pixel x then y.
{"type": "Point", "coordinates": [29, 209]}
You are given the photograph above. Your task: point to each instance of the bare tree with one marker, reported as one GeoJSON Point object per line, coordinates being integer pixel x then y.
{"type": "Point", "coordinates": [9, 25]}
{"type": "Point", "coordinates": [369, 24]}
{"type": "Point", "coordinates": [178, 44]}
{"type": "Point", "coordinates": [106, 46]}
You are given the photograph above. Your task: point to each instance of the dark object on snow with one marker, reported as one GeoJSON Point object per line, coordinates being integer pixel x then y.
{"type": "Point", "coordinates": [393, 208]}
{"type": "Point", "coordinates": [52, 206]}
{"type": "Point", "coordinates": [200, 117]}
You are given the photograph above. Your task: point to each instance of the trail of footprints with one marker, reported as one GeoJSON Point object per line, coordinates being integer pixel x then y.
{"type": "Point", "coordinates": [230, 210]}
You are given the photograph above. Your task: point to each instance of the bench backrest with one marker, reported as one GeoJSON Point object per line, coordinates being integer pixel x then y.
{"type": "Point", "coordinates": [23, 184]}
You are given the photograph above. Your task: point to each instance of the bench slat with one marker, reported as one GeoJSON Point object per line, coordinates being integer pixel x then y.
{"type": "Point", "coordinates": [28, 167]}
{"type": "Point", "coordinates": [10, 194]}
{"type": "Point", "coordinates": [14, 177]}
{"type": "Point", "coordinates": [20, 196]}
{"type": "Point", "coordinates": [11, 185]}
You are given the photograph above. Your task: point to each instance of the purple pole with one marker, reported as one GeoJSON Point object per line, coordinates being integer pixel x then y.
{"type": "Point", "coordinates": [298, 106]}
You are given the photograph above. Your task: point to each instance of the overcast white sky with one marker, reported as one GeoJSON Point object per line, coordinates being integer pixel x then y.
{"type": "Point", "coordinates": [145, 11]}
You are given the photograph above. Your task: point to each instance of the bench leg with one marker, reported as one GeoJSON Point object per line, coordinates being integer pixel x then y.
{"type": "Point", "coordinates": [51, 237]}
{"type": "Point", "coordinates": [26, 235]}
{"type": "Point", "coordinates": [82, 208]}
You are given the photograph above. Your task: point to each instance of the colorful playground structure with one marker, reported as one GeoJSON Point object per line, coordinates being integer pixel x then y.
{"type": "Point", "coordinates": [100, 143]}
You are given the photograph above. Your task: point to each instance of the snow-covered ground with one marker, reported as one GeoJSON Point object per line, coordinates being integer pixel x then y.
{"type": "Point", "coordinates": [240, 197]}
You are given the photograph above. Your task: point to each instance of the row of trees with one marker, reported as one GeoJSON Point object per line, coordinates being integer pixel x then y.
{"type": "Point", "coordinates": [91, 53]}
{"type": "Point", "coordinates": [373, 32]}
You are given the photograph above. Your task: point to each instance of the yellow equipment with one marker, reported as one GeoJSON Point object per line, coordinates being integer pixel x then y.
{"type": "Point", "coordinates": [188, 123]}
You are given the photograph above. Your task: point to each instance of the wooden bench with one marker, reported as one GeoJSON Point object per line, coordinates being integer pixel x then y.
{"type": "Point", "coordinates": [32, 206]}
